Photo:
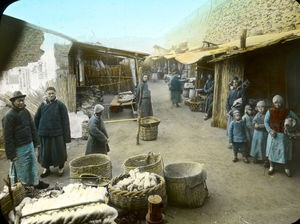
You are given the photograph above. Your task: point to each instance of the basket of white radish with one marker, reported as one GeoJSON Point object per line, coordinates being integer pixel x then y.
{"type": "Point", "coordinates": [131, 191]}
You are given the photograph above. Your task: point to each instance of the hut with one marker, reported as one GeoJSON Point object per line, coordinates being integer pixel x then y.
{"type": "Point", "coordinates": [34, 57]}
{"type": "Point", "coordinates": [270, 62]}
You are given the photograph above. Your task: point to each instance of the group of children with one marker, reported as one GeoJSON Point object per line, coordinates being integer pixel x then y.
{"type": "Point", "coordinates": [248, 134]}
{"type": "Point", "coordinates": [263, 136]}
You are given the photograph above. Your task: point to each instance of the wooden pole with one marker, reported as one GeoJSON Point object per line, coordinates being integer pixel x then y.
{"type": "Point", "coordinates": [243, 38]}
{"type": "Point", "coordinates": [138, 107]}
{"type": "Point", "coordinates": [121, 120]}
{"type": "Point", "coordinates": [119, 83]}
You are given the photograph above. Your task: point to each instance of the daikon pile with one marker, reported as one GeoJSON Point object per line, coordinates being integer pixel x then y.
{"type": "Point", "coordinates": [137, 181]}
{"type": "Point", "coordinates": [68, 207]}
{"type": "Point", "coordinates": [73, 194]}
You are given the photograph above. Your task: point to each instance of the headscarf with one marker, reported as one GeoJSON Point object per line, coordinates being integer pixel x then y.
{"type": "Point", "coordinates": [261, 103]}
{"type": "Point", "coordinates": [236, 112]}
{"type": "Point", "coordinates": [278, 99]}
{"type": "Point", "coordinates": [248, 107]}
{"type": "Point", "coordinates": [98, 108]}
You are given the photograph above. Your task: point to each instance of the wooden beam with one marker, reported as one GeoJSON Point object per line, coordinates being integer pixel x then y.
{"type": "Point", "coordinates": [121, 120]}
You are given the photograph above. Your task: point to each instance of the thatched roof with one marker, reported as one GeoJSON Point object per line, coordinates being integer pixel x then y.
{"type": "Point", "coordinates": [226, 50]}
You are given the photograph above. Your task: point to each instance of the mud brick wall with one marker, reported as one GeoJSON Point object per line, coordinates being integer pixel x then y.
{"type": "Point", "coordinates": [221, 21]}
{"type": "Point", "coordinates": [28, 48]}
{"type": "Point", "coordinates": [257, 16]}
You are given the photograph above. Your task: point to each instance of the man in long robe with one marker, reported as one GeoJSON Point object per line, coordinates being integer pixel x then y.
{"type": "Point", "coordinates": [143, 98]}
{"type": "Point", "coordinates": [98, 137]}
{"type": "Point", "coordinates": [53, 125]}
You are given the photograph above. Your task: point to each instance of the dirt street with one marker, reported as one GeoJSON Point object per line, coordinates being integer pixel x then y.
{"type": "Point", "coordinates": [239, 193]}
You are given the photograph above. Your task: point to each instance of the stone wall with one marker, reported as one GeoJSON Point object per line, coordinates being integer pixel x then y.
{"type": "Point", "coordinates": [221, 21]}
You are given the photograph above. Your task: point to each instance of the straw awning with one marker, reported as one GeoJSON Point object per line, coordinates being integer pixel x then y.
{"type": "Point", "coordinates": [257, 42]}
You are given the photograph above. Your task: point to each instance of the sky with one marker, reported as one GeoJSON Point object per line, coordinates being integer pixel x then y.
{"type": "Point", "coordinates": [126, 24]}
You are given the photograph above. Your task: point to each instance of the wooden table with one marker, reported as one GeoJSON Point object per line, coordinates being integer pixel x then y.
{"type": "Point", "coordinates": [115, 105]}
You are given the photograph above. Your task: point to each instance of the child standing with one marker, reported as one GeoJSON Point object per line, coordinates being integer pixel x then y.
{"type": "Point", "coordinates": [238, 137]}
{"type": "Point", "coordinates": [248, 119]}
{"type": "Point", "coordinates": [259, 141]}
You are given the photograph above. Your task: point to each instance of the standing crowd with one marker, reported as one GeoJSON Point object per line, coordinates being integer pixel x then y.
{"type": "Point", "coordinates": [264, 136]}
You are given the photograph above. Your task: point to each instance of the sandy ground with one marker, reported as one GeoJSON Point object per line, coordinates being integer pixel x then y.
{"type": "Point", "coordinates": [238, 193]}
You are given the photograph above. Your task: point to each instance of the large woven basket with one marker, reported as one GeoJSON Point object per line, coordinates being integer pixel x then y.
{"type": "Point", "coordinates": [137, 200]}
{"type": "Point", "coordinates": [150, 162]}
{"type": "Point", "coordinates": [186, 184]}
{"type": "Point", "coordinates": [194, 105]}
{"type": "Point", "coordinates": [98, 164]}
{"type": "Point", "coordinates": [18, 196]}
{"type": "Point", "coordinates": [149, 128]}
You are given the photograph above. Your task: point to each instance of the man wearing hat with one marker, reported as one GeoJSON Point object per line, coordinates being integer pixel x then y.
{"type": "Point", "coordinates": [53, 125]}
{"type": "Point", "coordinates": [20, 139]}
{"type": "Point", "coordinates": [98, 137]}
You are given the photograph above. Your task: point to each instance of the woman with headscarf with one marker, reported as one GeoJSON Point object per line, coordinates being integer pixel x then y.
{"type": "Point", "coordinates": [143, 98]}
{"type": "Point", "coordinates": [278, 145]}
{"type": "Point", "coordinates": [98, 137]}
{"type": "Point", "coordinates": [176, 89]}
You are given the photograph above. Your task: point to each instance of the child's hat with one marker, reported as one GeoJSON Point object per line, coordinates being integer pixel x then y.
{"type": "Point", "coordinates": [248, 107]}
{"type": "Point", "coordinates": [261, 103]}
{"type": "Point", "coordinates": [236, 112]}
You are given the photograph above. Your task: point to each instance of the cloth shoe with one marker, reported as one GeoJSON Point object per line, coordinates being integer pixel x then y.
{"type": "Point", "coordinates": [60, 171]}
{"type": "Point", "coordinates": [245, 159]}
{"type": "Point", "coordinates": [41, 185]}
{"type": "Point", "coordinates": [288, 172]}
{"type": "Point", "coordinates": [235, 159]}
{"type": "Point", "coordinates": [271, 170]}
{"type": "Point", "coordinates": [46, 173]}
{"type": "Point", "coordinates": [206, 117]}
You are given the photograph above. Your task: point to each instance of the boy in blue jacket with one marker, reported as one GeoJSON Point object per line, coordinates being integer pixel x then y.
{"type": "Point", "coordinates": [238, 136]}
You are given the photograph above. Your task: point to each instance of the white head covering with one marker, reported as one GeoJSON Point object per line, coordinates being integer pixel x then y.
{"type": "Point", "coordinates": [261, 103]}
{"type": "Point", "coordinates": [98, 108]}
{"type": "Point", "coordinates": [236, 112]}
{"type": "Point", "coordinates": [278, 99]}
{"type": "Point", "coordinates": [248, 107]}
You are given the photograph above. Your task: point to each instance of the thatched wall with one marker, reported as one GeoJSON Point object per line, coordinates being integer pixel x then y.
{"type": "Point", "coordinates": [224, 72]}
{"type": "Point", "coordinates": [111, 79]}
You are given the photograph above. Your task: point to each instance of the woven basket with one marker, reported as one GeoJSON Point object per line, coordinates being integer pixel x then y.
{"type": "Point", "coordinates": [137, 200]}
{"type": "Point", "coordinates": [18, 196]}
{"type": "Point", "coordinates": [194, 105]}
{"type": "Point", "coordinates": [186, 184]}
{"type": "Point", "coordinates": [149, 128]}
{"type": "Point", "coordinates": [150, 162]}
{"type": "Point", "coordinates": [98, 164]}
